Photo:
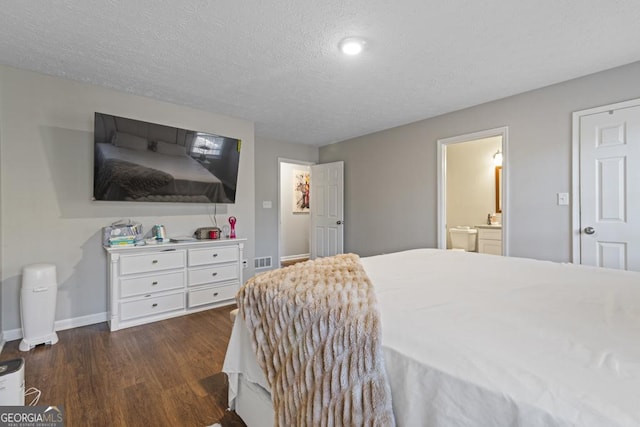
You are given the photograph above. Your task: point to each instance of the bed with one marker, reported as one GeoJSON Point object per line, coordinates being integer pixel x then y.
{"type": "Point", "coordinates": [144, 175]}
{"type": "Point", "coordinates": [480, 340]}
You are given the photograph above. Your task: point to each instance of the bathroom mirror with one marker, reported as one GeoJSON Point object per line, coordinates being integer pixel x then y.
{"type": "Point", "coordinates": [498, 189]}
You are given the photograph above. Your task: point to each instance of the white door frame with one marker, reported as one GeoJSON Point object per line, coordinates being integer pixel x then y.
{"type": "Point", "coordinates": [576, 226]}
{"type": "Point", "coordinates": [295, 162]}
{"type": "Point", "coordinates": [442, 181]}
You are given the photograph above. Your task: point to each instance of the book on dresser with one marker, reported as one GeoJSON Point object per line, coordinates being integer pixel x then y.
{"type": "Point", "coordinates": [156, 282]}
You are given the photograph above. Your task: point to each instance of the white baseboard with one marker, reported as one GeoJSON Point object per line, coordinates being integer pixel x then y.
{"type": "Point", "coordinates": [293, 257]}
{"type": "Point", "coordinates": [13, 334]}
{"type": "Point", "coordinates": [61, 325]}
{"type": "Point", "coordinates": [77, 322]}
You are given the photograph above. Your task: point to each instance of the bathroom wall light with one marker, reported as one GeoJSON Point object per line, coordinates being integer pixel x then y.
{"type": "Point", "coordinates": [497, 158]}
{"type": "Point", "coordinates": [352, 45]}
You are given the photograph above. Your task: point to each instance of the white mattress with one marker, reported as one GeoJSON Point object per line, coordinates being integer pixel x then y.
{"type": "Point", "coordinates": [191, 181]}
{"type": "Point", "coordinates": [478, 340]}
{"type": "Point", "coordinates": [180, 167]}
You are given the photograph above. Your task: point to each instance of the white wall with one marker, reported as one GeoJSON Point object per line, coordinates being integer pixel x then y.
{"type": "Point", "coordinates": [294, 227]}
{"type": "Point", "coordinates": [471, 188]}
{"type": "Point", "coordinates": [47, 183]}
{"type": "Point", "coordinates": [390, 176]}
{"type": "Point", "coordinates": [267, 154]}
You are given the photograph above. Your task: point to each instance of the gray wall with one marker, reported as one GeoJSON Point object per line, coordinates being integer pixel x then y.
{"type": "Point", "coordinates": [266, 162]}
{"type": "Point", "coordinates": [294, 226]}
{"type": "Point", "coordinates": [390, 176]}
{"type": "Point", "coordinates": [47, 182]}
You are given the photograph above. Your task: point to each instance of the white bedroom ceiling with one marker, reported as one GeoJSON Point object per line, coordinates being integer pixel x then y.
{"type": "Point", "coordinates": [277, 62]}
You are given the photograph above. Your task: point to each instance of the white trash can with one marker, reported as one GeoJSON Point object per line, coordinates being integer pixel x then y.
{"type": "Point", "coordinates": [12, 382]}
{"type": "Point", "coordinates": [38, 305]}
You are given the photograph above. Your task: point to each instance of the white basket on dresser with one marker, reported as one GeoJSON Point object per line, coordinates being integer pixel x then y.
{"type": "Point", "coordinates": [156, 282]}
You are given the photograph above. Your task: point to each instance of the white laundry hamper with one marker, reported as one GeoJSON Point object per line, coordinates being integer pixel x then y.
{"type": "Point", "coordinates": [38, 305]}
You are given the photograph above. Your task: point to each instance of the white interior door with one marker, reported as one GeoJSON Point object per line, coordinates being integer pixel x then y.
{"type": "Point", "coordinates": [326, 196]}
{"type": "Point", "coordinates": [610, 187]}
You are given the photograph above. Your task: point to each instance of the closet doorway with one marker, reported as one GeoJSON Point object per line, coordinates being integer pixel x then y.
{"type": "Point", "coordinates": [472, 189]}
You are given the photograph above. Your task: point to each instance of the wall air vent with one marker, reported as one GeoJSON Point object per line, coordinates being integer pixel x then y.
{"type": "Point", "coordinates": [262, 262]}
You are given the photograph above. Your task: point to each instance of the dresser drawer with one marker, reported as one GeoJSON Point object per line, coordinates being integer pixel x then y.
{"type": "Point", "coordinates": [212, 255]}
{"type": "Point", "coordinates": [152, 305]}
{"type": "Point", "coordinates": [154, 283]}
{"type": "Point", "coordinates": [212, 294]}
{"type": "Point", "coordinates": [483, 233]}
{"type": "Point", "coordinates": [219, 273]}
{"type": "Point", "coordinates": [146, 263]}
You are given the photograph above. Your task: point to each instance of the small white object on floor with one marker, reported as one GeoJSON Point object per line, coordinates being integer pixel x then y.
{"type": "Point", "coordinates": [215, 425]}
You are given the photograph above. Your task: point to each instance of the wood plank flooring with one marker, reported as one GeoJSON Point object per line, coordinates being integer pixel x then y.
{"type": "Point", "coordinates": [165, 373]}
{"type": "Point", "coordinates": [292, 261]}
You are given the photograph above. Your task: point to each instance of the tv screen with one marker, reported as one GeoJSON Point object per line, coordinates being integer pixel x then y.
{"type": "Point", "coordinates": [146, 162]}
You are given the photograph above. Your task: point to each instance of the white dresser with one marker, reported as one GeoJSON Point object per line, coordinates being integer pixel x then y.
{"type": "Point", "coordinates": [156, 282]}
{"type": "Point", "coordinates": [489, 239]}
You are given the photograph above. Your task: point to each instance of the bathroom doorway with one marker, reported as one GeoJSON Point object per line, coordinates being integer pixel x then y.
{"type": "Point", "coordinates": [472, 182]}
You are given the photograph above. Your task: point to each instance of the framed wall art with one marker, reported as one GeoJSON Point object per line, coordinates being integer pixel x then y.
{"type": "Point", "coordinates": [301, 180]}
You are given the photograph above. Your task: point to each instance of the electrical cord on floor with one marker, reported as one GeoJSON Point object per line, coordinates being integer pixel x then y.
{"type": "Point", "coordinates": [32, 391]}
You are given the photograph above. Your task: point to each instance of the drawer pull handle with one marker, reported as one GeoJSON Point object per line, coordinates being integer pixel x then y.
{"type": "Point", "coordinates": [155, 304]}
{"type": "Point", "coordinates": [214, 274]}
{"type": "Point", "coordinates": [215, 255]}
{"type": "Point", "coordinates": [215, 294]}
{"type": "Point", "coordinates": [155, 261]}
{"type": "Point", "coordinates": [154, 283]}
{"type": "Point", "coordinates": [147, 296]}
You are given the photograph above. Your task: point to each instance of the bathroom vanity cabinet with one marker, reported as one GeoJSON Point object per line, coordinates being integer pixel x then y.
{"type": "Point", "coordinates": [490, 239]}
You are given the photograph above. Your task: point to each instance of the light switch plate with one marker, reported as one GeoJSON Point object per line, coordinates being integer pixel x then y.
{"type": "Point", "coordinates": [563, 199]}
{"type": "Point", "coordinates": [266, 204]}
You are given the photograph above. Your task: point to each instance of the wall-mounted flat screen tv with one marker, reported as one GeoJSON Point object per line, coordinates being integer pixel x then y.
{"type": "Point", "coordinates": [138, 161]}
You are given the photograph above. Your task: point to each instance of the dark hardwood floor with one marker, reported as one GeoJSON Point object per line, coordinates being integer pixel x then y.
{"type": "Point", "coordinates": [292, 261]}
{"type": "Point", "coordinates": [165, 373]}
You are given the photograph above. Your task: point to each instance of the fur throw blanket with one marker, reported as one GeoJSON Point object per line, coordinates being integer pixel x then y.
{"type": "Point", "coordinates": [316, 332]}
{"type": "Point", "coordinates": [136, 180]}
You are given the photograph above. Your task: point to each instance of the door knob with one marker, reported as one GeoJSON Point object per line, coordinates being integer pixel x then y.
{"type": "Point", "coordinates": [339, 222]}
{"type": "Point", "coordinates": [589, 230]}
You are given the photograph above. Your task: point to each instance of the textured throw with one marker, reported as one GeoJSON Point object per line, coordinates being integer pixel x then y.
{"type": "Point", "coordinates": [316, 332]}
{"type": "Point", "coordinates": [136, 180]}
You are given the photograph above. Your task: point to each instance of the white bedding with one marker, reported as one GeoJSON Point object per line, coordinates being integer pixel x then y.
{"type": "Point", "coordinates": [180, 167]}
{"type": "Point", "coordinates": [481, 340]}
{"type": "Point", "coordinates": [190, 178]}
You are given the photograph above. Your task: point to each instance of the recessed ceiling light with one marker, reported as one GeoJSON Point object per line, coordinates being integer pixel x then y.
{"type": "Point", "coordinates": [352, 45]}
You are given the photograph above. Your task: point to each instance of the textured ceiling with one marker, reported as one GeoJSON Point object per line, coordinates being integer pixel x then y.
{"type": "Point", "coordinates": [276, 62]}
